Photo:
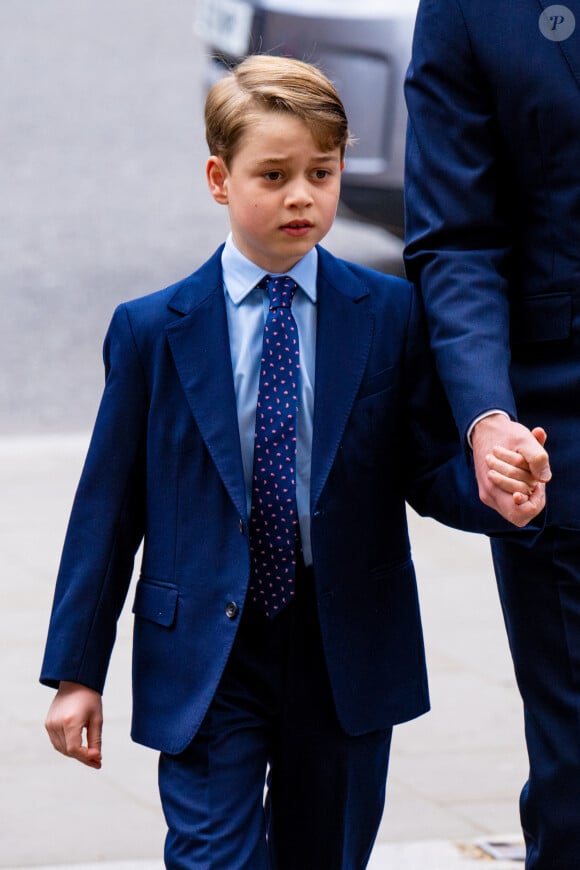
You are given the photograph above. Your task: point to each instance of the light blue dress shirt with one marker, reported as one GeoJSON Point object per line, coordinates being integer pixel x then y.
{"type": "Point", "coordinates": [247, 309]}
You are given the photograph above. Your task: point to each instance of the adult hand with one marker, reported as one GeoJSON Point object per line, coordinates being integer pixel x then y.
{"type": "Point", "coordinates": [76, 709]}
{"type": "Point", "coordinates": [495, 431]}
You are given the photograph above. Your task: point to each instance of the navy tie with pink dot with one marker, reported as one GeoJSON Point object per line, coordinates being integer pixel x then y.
{"type": "Point", "coordinates": [274, 517]}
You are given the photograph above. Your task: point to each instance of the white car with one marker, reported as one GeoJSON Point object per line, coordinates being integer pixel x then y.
{"type": "Point", "coordinates": [364, 46]}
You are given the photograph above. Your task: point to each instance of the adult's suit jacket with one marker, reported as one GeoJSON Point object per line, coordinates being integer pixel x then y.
{"type": "Point", "coordinates": [164, 464]}
{"type": "Point", "coordinates": [493, 215]}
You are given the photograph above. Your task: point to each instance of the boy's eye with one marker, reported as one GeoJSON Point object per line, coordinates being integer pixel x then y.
{"type": "Point", "coordinates": [273, 175]}
{"type": "Point", "coordinates": [321, 174]}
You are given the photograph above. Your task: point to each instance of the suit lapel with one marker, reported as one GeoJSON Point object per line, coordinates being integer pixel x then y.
{"type": "Point", "coordinates": [199, 342]}
{"type": "Point", "coordinates": [344, 334]}
{"type": "Point", "coordinates": [570, 47]}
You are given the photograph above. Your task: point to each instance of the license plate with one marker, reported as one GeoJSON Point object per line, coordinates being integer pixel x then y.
{"type": "Point", "coordinates": [224, 25]}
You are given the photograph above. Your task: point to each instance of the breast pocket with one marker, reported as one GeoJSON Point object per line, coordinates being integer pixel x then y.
{"type": "Point", "coordinates": [368, 430]}
{"type": "Point", "coordinates": [376, 383]}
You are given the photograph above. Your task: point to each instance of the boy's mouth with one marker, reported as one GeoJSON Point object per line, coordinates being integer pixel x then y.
{"type": "Point", "coordinates": [297, 228]}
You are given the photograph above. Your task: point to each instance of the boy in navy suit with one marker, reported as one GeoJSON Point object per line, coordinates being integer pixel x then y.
{"type": "Point", "coordinates": [263, 423]}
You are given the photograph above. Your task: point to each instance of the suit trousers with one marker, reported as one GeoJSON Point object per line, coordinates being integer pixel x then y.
{"type": "Point", "coordinates": [271, 781]}
{"type": "Point", "coordinates": [539, 589]}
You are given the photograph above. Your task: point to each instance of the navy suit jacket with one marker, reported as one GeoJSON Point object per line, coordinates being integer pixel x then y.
{"type": "Point", "coordinates": [164, 466]}
{"type": "Point", "coordinates": [493, 216]}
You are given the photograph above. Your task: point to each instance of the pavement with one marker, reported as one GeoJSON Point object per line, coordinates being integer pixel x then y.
{"type": "Point", "coordinates": [455, 773]}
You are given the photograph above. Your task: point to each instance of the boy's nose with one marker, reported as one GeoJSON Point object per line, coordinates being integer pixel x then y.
{"type": "Point", "coordinates": [299, 194]}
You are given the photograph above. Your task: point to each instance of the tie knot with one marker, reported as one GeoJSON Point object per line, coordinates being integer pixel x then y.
{"type": "Point", "coordinates": [281, 290]}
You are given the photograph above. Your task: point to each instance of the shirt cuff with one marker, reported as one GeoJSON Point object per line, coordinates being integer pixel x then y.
{"type": "Point", "coordinates": [482, 417]}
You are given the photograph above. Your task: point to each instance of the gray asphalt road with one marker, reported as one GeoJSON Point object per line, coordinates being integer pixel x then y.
{"type": "Point", "coordinates": [103, 191]}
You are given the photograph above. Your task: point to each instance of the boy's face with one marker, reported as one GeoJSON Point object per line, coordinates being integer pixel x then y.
{"type": "Point", "coordinates": [280, 188]}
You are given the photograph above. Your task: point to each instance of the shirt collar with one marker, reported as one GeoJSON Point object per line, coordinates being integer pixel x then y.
{"type": "Point", "coordinates": [241, 275]}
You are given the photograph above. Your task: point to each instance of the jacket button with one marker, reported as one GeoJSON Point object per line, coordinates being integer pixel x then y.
{"type": "Point", "coordinates": [232, 610]}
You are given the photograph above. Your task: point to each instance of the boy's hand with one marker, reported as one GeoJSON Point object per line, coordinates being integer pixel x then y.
{"type": "Point", "coordinates": [74, 710]}
{"type": "Point", "coordinates": [510, 471]}
{"type": "Point", "coordinates": [512, 468]}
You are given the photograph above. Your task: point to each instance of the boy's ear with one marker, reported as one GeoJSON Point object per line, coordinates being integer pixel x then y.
{"type": "Point", "coordinates": [217, 174]}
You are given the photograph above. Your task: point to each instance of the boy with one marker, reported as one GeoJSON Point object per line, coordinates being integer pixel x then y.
{"type": "Point", "coordinates": [276, 614]}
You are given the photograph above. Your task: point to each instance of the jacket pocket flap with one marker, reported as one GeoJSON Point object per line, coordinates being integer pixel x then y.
{"type": "Point", "coordinates": [542, 318]}
{"type": "Point", "coordinates": [377, 383]}
{"type": "Point", "coordinates": [155, 603]}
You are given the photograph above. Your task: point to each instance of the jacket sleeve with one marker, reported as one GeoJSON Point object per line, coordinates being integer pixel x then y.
{"type": "Point", "coordinates": [458, 236]}
{"type": "Point", "coordinates": [439, 482]}
{"type": "Point", "coordinates": [106, 523]}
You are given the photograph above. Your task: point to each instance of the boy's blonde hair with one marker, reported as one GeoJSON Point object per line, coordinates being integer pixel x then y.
{"type": "Point", "coordinates": [273, 84]}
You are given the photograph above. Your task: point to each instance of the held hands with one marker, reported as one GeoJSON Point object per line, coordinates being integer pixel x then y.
{"type": "Point", "coordinates": [512, 467]}
{"type": "Point", "coordinates": [75, 710]}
